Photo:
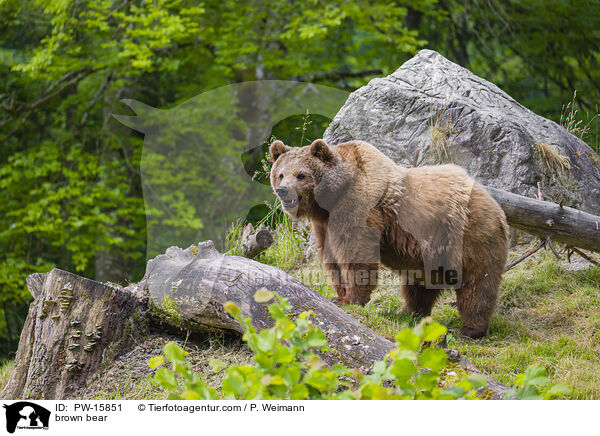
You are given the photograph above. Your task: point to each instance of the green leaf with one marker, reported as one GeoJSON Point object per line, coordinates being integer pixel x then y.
{"type": "Point", "coordinates": [174, 353]}
{"type": "Point", "coordinates": [156, 361]}
{"type": "Point", "coordinates": [378, 370]}
{"type": "Point", "coordinates": [216, 365]}
{"type": "Point", "coordinates": [266, 340]}
{"type": "Point", "coordinates": [263, 296]}
{"type": "Point", "coordinates": [277, 312]}
{"type": "Point", "coordinates": [477, 380]}
{"type": "Point", "coordinates": [234, 385]}
{"type": "Point", "coordinates": [408, 340]}
{"type": "Point", "coordinates": [232, 309]}
{"type": "Point", "coordinates": [283, 355]}
{"type": "Point", "coordinates": [299, 392]}
{"type": "Point", "coordinates": [166, 378]}
{"type": "Point", "coordinates": [316, 338]}
{"type": "Point", "coordinates": [556, 391]}
{"type": "Point", "coordinates": [529, 392]}
{"type": "Point", "coordinates": [284, 328]}
{"type": "Point", "coordinates": [322, 380]}
{"type": "Point", "coordinates": [426, 380]}
{"type": "Point", "coordinates": [272, 380]}
{"type": "Point", "coordinates": [403, 369]}
{"type": "Point", "coordinates": [455, 391]}
{"type": "Point", "coordinates": [182, 370]}
{"type": "Point", "coordinates": [433, 331]}
{"type": "Point", "coordinates": [433, 358]}
{"type": "Point", "coordinates": [536, 375]}
{"type": "Point", "coordinates": [346, 395]}
{"type": "Point", "coordinates": [191, 395]}
{"type": "Point", "coordinates": [291, 375]}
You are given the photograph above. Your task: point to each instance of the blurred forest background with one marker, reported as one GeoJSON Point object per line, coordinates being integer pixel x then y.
{"type": "Point", "coordinates": [70, 188]}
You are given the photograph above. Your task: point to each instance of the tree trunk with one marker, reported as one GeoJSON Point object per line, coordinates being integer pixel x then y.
{"type": "Point", "coordinates": [543, 218]}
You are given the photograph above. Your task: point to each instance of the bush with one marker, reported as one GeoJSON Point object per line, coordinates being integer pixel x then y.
{"type": "Point", "coordinates": [288, 365]}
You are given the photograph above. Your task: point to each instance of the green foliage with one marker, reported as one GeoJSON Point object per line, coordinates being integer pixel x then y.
{"type": "Point", "coordinates": [288, 365]}
{"type": "Point", "coordinates": [70, 185]}
{"type": "Point", "coordinates": [535, 385]}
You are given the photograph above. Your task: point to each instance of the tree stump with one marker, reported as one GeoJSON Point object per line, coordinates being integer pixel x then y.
{"type": "Point", "coordinates": [256, 241]}
{"type": "Point", "coordinates": [74, 325]}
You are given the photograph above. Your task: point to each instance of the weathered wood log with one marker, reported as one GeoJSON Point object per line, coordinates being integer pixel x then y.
{"type": "Point", "coordinates": [190, 291]}
{"type": "Point", "coordinates": [74, 325]}
{"type": "Point", "coordinates": [543, 218]}
{"type": "Point", "coordinates": [256, 241]}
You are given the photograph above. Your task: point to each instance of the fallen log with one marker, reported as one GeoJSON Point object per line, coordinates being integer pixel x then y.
{"type": "Point", "coordinates": [76, 325]}
{"type": "Point", "coordinates": [543, 218]}
{"type": "Point", "coordinates": [189, 290]}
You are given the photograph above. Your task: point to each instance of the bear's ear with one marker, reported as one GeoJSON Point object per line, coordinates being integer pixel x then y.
{"type": "Point", "coordinates": [277, 149]}
{"type": "Point", "coordinates": [320, 149]}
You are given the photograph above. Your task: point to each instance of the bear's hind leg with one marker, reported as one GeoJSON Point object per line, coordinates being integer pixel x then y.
{"type": "Point", "coordinates": [418, 299]}
{"type": "Point", "coordinates": [476, 302]}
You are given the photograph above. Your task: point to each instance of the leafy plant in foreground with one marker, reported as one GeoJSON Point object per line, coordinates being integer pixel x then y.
{"type": "Point", "coordinates": [288, 365]}
{"type": "Point", "coordinates": [535, 385]}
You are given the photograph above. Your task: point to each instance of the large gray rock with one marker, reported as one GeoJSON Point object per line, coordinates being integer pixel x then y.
{"type": "Point", "coordinates": [433, 111]}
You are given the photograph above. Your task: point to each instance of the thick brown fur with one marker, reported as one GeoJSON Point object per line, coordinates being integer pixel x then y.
{"type": "Point", "coordinates": [366, 210]}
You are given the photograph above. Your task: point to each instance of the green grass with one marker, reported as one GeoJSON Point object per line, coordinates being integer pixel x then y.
{"type": "Point", "coordinates": [286, 252]}
{"type": "Point", "coordinates": [546, 315]}
{"type": "Point", "coordinates": [139, 390]}
{"type": "Point", "coordinates": [233, 242]}
{"type": "Point", "coordinates": [5, 370]}
{"type": "Point", "coordinates": [287, 249]}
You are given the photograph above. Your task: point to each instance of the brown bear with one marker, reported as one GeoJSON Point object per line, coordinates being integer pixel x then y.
{"type": "Point", "coordinates": [434, 224]}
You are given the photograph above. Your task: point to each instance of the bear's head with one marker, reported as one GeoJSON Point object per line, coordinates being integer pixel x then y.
{"type": "Point", "coordinates": [309, 180]}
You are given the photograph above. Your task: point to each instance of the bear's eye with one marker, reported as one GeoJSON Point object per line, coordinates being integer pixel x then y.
{"type": "Point", "coordinates": [300, 176]}
{"type": "Point", "coordinates": [280, 176]}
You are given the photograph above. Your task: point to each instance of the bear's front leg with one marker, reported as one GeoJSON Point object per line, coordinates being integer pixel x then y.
{"type": "Point", "coordinates": [356, 249]}
{"type": "Point", "coordinates": [359, 279]}
{"type": "Point", "coordinates": [328, 260]}
{"type": "Point", "coordinates": [335, 278]}
{"type": "Point", "coordinates": [350, 250]}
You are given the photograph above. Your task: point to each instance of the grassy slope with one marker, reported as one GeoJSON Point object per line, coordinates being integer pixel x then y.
{"type": "Point", "coordinates": [546, 314]}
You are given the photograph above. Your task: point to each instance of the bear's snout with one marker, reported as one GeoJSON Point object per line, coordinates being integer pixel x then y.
{"type": "Point", "coordinates": [282, 192]}
{"type": "Point", "coordinates": [289, 197]}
